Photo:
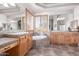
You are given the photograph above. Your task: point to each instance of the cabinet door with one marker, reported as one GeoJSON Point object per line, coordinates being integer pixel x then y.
{"type": "Point", "coordinates": [60, 38]}
{"type": "Point", "coordinates": [22, 45]}
{"type": "Point", "coordinates": [76, 38]}
{"type": "Point", "coordinates": [29, 41]}
{"type": "Point", "coordinates": [68, 38]}
{"type": "Point", "coordinates": [56, 38]}
{"type": "Point", "coordinates": [27, 37]}
{"type": "Point", "coordinates": [27, 44]}
{"type": "Point", "coordinates": [13, 51]}
{"type": "Point", "coordinates": [53, 38]}
{"type": "Point", "coordinates": [72, 38]}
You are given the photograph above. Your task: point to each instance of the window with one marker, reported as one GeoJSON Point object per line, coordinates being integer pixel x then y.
{"type": "Point", "coordinates": [37, 22]}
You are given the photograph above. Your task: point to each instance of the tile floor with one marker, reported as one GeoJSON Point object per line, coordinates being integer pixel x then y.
{"type": "Point", "coordinates": [55, 50]}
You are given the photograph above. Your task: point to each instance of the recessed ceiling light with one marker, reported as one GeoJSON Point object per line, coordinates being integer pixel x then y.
{"type": "Point", "coordinates": [12, 4]}
{"type": "Point", "coordinates": [6, 5]}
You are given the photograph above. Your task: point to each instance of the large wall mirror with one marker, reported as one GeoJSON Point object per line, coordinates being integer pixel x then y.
{"type": "Point", "coordinates": [59, 22]}
{"type": "Point", "coordinates": [14, 24]}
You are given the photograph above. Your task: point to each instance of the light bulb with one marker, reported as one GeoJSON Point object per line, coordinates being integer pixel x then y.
{"type": "Point", "coordinates": [6, 5]}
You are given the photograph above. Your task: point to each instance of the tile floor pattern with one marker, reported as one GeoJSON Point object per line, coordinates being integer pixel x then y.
{"type": "Point", "coordinates": [55, 50]}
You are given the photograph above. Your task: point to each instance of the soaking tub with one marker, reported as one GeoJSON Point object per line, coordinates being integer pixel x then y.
{"type": "Point", "coordinates": [40, 41]}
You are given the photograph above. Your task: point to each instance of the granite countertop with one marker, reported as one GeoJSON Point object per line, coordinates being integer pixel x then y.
{"type": "Point", "coordinates": [6, 41]}
{"type": "Point", "coordinates": [14, 34]}
{"type": "Point", "coordinates": [10, 37]}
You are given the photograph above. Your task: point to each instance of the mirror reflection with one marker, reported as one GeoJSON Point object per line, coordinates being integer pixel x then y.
{"type": "Point", "coordinates": [62, 22]}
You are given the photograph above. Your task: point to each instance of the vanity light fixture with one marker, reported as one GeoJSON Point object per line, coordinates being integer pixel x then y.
{"type": "Point", "coordinates": [12, 21]}
{"type": "Point", "coordinates": [61, 18]}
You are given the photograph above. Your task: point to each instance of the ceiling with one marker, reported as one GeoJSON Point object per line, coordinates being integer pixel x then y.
{"type": "Point", "coordinates": [10, 11]}
{"type": "Point", "coordinates": [52, 5]}
{"type": "Point", "coordinates": [38, 8]}
{"type": "Point", "coordinates": [49, 7]}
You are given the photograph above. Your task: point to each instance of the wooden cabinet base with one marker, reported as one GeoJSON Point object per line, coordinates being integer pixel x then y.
{"type": "Point", "coordinates": [67, 38]}
{"type": "Point", "coordinates": [23, 47]}
{"type": "Point", "coordinates": [13, 51]}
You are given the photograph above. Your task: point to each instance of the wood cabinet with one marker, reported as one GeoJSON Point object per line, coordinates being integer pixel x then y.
{"type": "Point", "coordinates": [23, 47]}
{"type": "Point", "coordinates": [8, 47]}
{"type": "Point", "coordinates": [76, 37]}
{"type": "Point", "coordinates": [64, 37]}
{"type": "Point", "coordinates": [29, 41]}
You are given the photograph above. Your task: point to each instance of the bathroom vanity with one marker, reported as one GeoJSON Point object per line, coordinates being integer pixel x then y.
{"type": "Point", "coordinates": [69, 38]}
{"type": "Point", "coordinates": [23, 44]}
{"type": "Point", "coordinates": [7, 44]}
